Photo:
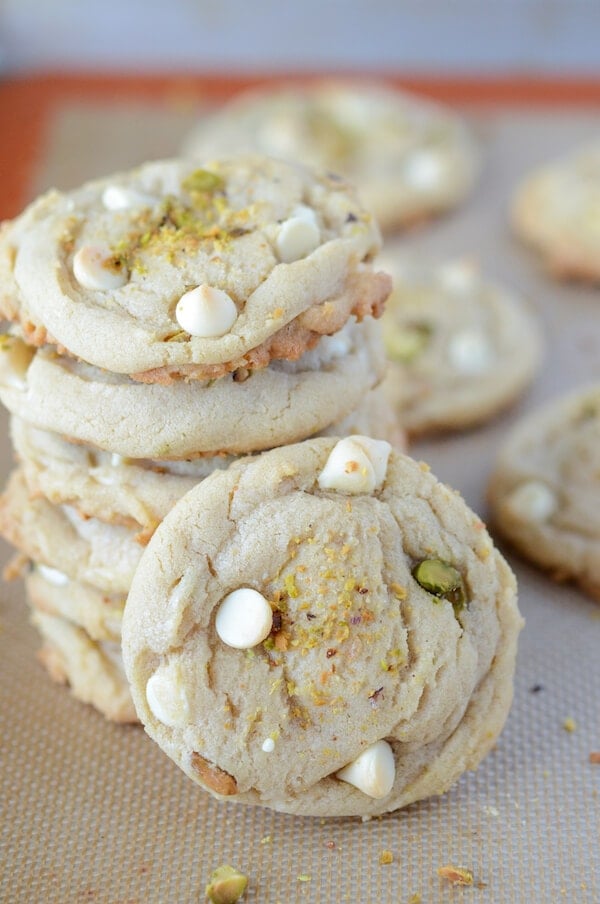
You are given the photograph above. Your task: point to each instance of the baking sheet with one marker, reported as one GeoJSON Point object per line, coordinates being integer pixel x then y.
{"type": "Point", "coordinates": [91, 811]}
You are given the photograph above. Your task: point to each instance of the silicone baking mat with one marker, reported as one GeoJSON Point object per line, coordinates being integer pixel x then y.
{"type": "Point", "coordinates": [94, 812]}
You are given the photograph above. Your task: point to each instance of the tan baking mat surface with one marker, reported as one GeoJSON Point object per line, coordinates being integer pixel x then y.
{"type": "Point", "coordinates": [94, 812]}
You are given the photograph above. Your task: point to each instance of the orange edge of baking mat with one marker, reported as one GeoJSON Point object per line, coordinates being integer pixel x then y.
{"type": "Point", "coordinates": [26, 102]}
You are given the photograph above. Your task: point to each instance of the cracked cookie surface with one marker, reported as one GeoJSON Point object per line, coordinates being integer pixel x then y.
{"type": "Point", "coordinates": [179, 271]}
{"type": "Point", "coordinates": [345, 649]}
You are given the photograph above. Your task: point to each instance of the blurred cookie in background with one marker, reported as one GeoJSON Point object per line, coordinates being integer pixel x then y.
{"type": "Point", "coordinates": [409, 157]}
{"type": "Point", "coordinates": [545, 489]}
{"type": "Point", "coordinates": [460, 348]}
{"type": "Point", "coordinates": [556, 210]}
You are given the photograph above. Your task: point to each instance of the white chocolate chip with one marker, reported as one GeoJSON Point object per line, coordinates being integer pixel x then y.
{"type": "Point", "coordinates": [298, 235]}
{"type": "Point", "coordinates": [53, 575]}
{"type": "Point", "coordinates": [378, 451]}
{"type": "Point", "coordinates": [424, 170]}
{"type": "Point", "coordinates": [116, 460]}
{"type": "Point", "coordinates": [268, 745]}
{"type": "Point", "coordinates": [15, 358]}
{"type": "Point", "coordinates": [532, 501]}
{"type": "Point", "coordinates": [244, 619]}
{"type": "Point", "coordinates": [117, 197]}
{"type": "Point", "coordinates": [373, 771]}
{"type": "Point", "coordinates": [92, 270]}
{"type": "Point", "coordinates": [166, 695]}
{"type": "Point", "coordinates": [460, 276]}
{"type": "Point", "coordinates": [206, 312]}
{"type": "Point", "coordinates": [469, 352]}
{"type": "Point", "coordinates": [355, 465]}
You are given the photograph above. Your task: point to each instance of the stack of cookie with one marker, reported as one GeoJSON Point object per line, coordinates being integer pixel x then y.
{"type": "Point", "coordinates": [163, 322]}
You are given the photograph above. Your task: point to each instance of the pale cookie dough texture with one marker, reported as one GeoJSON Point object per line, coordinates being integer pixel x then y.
{"type": "Point", "coordinates": [356, 690]}
{"type": "Point", "coordinates": [282, 403]}
{"type": "Point", "coordinates": [93, 669]}
{"type": "Point", "coordinates": [84, 549]}
{"type": "Point", "coordinates": [138, 493]}
{"type": "Point", "coordinates": [267, 257]}
{"type": "Point", "coordinates": [460, 348]}
{"type": "Point", "coordinates": [545, 490]}
{"type": "Point", "coordinates": [556, 210]}
{"type": "Point", "coordinates": [409, 157]}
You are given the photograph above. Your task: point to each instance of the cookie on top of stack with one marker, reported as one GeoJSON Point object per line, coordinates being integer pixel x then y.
{"type": "Point", "coordinates": [163, 321]}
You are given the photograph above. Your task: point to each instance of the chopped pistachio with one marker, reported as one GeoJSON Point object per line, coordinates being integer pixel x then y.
{"type": "Point", "coordinates": [404, 344]}
{"type": "Point", "coordinates": [226, 886]}
{"type": "Point", "coordinates": [443, 580]}
{"type": "Point", "coordinates": [202, 180]}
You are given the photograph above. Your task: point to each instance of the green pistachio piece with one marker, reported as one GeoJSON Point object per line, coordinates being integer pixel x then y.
{"type": "Point", "coordinates": [404, 344]}
{"type": "Point", "coordinates": [226, 886]}
{"type": "Point", "coordinates": [443, 580]}
{"type": "Point", "coordinates": [202, 180]}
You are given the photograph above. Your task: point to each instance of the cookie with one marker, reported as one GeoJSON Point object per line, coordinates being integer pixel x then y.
{"type": "Point", "coordinates": [174, 271]}
{"type": "Point", "coordinates": [138, 493]}
{"type": "Point", "coordinates": [52, 591]}
{"type": "Point", "coordinates": [85, 549]}
{"type": "Point", "coordinates": [323, 629]}
{"type": "Point", "coordinates": [93, 669]}
{"type": "Point", "coordinates": [545, 489]}
{"type": "Point", "coordinates": [556, 210]}
{"type": "Point", "coordinates": [460, 348]}
{"type": "Point", "coordinates": [282, 403]}
{"type": "Point", "coordinates": [411, 158]}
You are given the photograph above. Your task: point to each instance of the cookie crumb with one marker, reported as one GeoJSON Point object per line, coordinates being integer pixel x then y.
{"type": "Point", "coordinates": [415, 899]}
{"type": "Point", "coordinates": [386, 857]}
{"type": "Point", "coordinates": [456, 875]}
{"type": "Point", "coordinates": [570, 724]}
{"type": "Point", "coordinates": [595, 756]}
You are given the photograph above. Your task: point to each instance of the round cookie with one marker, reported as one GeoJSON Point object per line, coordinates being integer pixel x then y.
{"type": "Point", "coordinates": [93, 669]}
{"type": "Point", "coordinates": [545, 489]}
{"type": "Point", "coordinates": [57, 536]}
{"type": "Point", "coordinates": [323, 629]}
{"type": "Point", "coordinates": [460, 348]}
{"type": "Point", "coordinates": [175, 271]}
{"type": "Point", "coordinates": [556, 210]}
{"type": "Point", "coordinates": [411, 158]}
{"type": "Point", "coordinates": [282, 403]}
{"type": "Point", "coordinates": [52, 591]}
{"type": "Point", "coordinates": [139, 492]}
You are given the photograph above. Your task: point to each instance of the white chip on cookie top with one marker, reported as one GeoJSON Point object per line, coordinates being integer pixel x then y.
{"type": "Point", "coordinates": [298, 235]}
{"type": "Point", "coordinates": [469, 352]}
{"type": "Point", "coordinates": [424, 170]}
{"type": "Point", "coordinates": [94, 268]}
{"type": "Point", "coordinates": [533, 501]}
{"type": "Point", "coordinates": [206, 311]}
{"type": "Point", "coordinates": [244, 619]}
{"type": "Point", "coordinates": [355, 465]}
{"type": "Point", "coordinates": [119, 197]}
{"type": "Point", "coordinates": [373, 771]}
{"type": "Point", "coordinates": [458, 275]}
{"type": "Point", "coordinates": [166, 695]}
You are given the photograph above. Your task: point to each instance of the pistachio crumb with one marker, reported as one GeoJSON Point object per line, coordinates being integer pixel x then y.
{"type": "Point", "coordinates": [303, 877]}
{"type": "Point", "coordinates": [386, 857]}
{"type": "Point", "coordinates": [442, 580]}
{"type": "Point", "coordinates": [570, 724]}
{"type": "Point", "coordinates": [456, 875]}
{"type": "Point", "coordinates": [226, 886]}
